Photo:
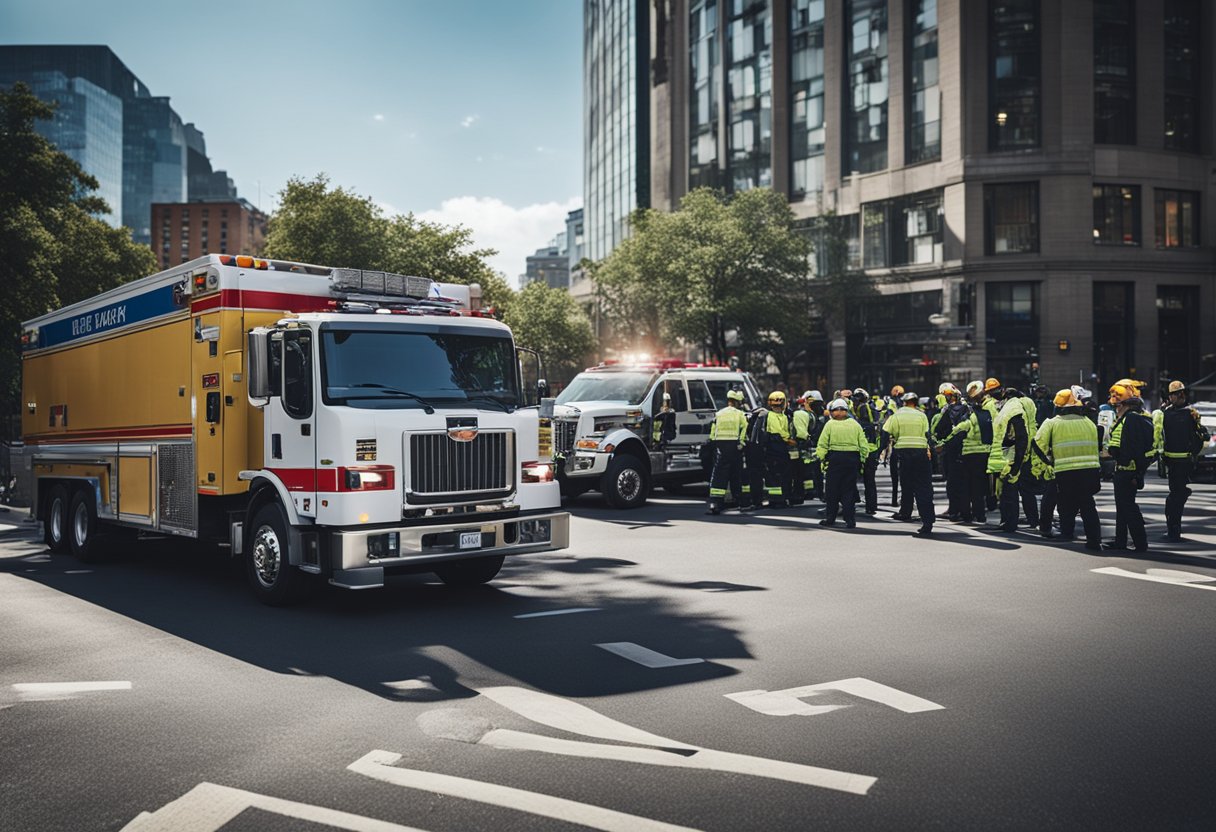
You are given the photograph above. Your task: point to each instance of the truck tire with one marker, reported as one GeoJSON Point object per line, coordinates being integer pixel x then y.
{"type": "Point", "coordinates": [625, 484]}
{"type": "Point", "coordinates": [470, 572]}
{"type": "Point", "coordinates": [55, 521]}
{"type": "Point", "coordinates": [82, 526]}
{"type": "Point", "coordinates": [275, 582]}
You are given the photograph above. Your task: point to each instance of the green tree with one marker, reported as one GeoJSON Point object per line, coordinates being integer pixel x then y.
{"type": "Point", "coordinates": [551, 322]}
{"type": "Point", "coordinates": [337, 227]}
{"type": "Point", "coordinates": [56, 251]}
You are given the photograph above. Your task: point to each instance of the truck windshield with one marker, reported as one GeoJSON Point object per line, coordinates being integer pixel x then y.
{"type": "Point", "coordinates": [396, 368]}
{"type": "Point", "coordinates": [607, 387]}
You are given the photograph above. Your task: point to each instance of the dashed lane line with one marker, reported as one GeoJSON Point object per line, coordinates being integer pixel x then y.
{"type": "Point", "coordinates": [546, 613]}
{"type": "Point", "coordinates": [37, 691]}
{"type": "Point", "coordinates": [1162, 576]}
{"type": "Point", "coordinates": [644, 655]}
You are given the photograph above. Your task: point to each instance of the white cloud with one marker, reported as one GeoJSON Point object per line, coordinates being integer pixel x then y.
{"type": "Point", "coordinates": [467, 121]}
{"type": "Point", "coordinates": [514, 232]}
{"type": "Point", "coordinates": [378, 117]}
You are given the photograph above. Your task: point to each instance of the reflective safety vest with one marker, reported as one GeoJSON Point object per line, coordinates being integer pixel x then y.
{"type": "Point", "coordinates": [778, 424]}
{"type": "Point", "coordinates": [1071, 441]}
{"type": "Point", "coordinates": [842, 435]}
{"type": "Point", "coordinates": [1182, 435]}
{"type": "Point", "coordinates": [802, 425]}
{"type": "Point", "coordinates": [1002, 431]}
{"type": "Point", "coordinates": [730, 423]}
{"type": "Point", "coordinates": [908, 428]}
{"type": "Point", "coordinates": [972, 429]}
{"type": "Point", "coordinates": [870, 416]}
{"type": "Point", "coordinates": [1135, 429]}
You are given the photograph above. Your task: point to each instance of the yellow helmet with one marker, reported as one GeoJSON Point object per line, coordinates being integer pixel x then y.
{"type": "Point", "coordinates": [897, 391]}
{"type": "Point", "coordinates": [1132, 384]}
{"type": "Point", "coordinates": [1177, 387]}
{"type": "Point", "coordinates": [1066, 398]}
{"type": "Point", "coordinates": [776, 397]}
{"type": "Point", "coordinates": [1120, 392]}
{"type": "Point", "coordinates": [991, 384]}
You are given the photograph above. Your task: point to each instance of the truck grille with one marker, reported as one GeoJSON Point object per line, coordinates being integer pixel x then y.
{"type": "Point", "coordinates": [444, 470]}
{"type": "Point", "coordinates": [565, 431]}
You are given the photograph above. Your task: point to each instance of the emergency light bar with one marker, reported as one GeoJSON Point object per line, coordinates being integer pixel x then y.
{"type": "Point", "coordinates": [363, 282]}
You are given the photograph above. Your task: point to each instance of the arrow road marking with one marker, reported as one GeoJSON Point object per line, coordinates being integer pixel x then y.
{"type": "Point", "coordinates": [787, 702]}
{"type": "Point", "coordinates": [379, 765]}
{"type": "Point", "coordinates": [644, 656]}
{"type": "Point", "coordinates": [1162, 576]}
{"type": "Point", "coordinates": [38, 691]}
{"type": "Point", "coordinates": [208, 808]}
{"type": "Point", "coordinates": [556, 612]}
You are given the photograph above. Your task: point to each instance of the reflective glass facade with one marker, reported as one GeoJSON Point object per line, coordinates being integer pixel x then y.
{"type": "Point", "coordinates": [924, 94]}
{"type": "Point", "coordinates": [704, 94]}
{"type": "Point", "coordinates": [806, 93]}
{"type": "Point", "coordinates": [1115, 71]}
{"type": "Point", "coordinates": [1183, 74]}
{"type": "Point", "coordinates": [749, 90]}
{"type": "Point", "coordinates": [616, 120]}
{"type": "Point", "coordinates": [865, 133]}
{"type": "Point", "coordinates": [1014, 74]}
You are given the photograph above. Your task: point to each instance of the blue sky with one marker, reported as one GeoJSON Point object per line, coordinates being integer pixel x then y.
{"type": "Point", "coordinates": [462, 111]}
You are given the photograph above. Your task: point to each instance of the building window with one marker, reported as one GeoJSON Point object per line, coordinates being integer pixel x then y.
{"type": "Point", "coordinates": [1183, 74]}
{"type": "Point", "coordinates": [1117, 215]}
{"type": "Point", "coordinates": [1115, 71]}
{"type": "Point", "coordinates": [749, 90]}
{"type": "Point", "coordinates": [806, 91]}
{"type": "Point", "coordinates": [1011, 218]}
{"type": "Point", "coordinates": [1178, 316]}
{"type": "Point", "coordinates": [924, 99]}
{"type": "Point", "coordinates": [1014, 74]}
{"type": "Point", "coordinates": [1113, 330]}
{"type": "Point", "coordinates": [703, 101]}
{"type": "Point", "coordinates": [1012, 330]}
{"type": "Point", "coordinates": [903, 231]}
{"type": "Point", "coordinates": [1177, 219]}
{"type": "Point", "coordinates": [866, 103]}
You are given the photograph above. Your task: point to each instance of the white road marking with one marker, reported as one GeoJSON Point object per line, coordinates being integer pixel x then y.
{"type": "Point", "coordinates": [565, 715]}
{"type": "Point", "coordinates": [1161, 576]}
{"type": "Point", "coordinates": [77, 571]}
{"type": "Point", "coordinates": [788, 702]}
{"type": "Point", "coordinates": [644, 656]}
{"type": "Point", "coordinates": [36, 691]}
{"type": "Point", "coordinates": [379, 765]}
{"type": "Point", "coordinates": [569, 611]}
{"type": "Point", "coordinates": [421, 683]}
{"type": "Point", "coordinates": [36, 558]}
{"type": "Point", "coordinates": [209, 807]}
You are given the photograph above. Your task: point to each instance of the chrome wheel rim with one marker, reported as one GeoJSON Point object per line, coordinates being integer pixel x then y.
{"type": "Point", "coordinates": [267, 556]}
{"type": "Point", "coordinates": [56, 520]}
{"type": "Point", "coordinates": [629, 484]}
{"type": "Point", "coordinates": [80, 524]}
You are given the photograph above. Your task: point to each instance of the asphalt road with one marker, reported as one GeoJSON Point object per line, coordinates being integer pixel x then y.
{"type": "Point", "coordinates": [977, 681]}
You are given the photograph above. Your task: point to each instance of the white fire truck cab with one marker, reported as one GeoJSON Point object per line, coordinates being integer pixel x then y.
{"type": "Point", "coordinates": [344, 423]}
{"type": "Point", "coordinates": [621, 429]}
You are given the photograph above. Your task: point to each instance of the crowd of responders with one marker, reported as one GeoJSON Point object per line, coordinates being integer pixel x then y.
{"type": "Point", "coordinates": [1005, 455]}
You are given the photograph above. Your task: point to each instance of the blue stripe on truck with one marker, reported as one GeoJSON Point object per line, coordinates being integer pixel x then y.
{"type": "Point", "coordinates": [133, 310]}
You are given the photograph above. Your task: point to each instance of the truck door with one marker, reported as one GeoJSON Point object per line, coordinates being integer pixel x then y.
{"type": "Point", "coordinates": [291, 446]}
{"type": "Point", "coordinates": [695, 429]}
{"type": "Point", "coordinates": [209, 423]}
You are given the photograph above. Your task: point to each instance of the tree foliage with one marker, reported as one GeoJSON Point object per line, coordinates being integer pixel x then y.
{"type": "Point", "coordinates": [56, 252]}
{"type": "Point", "coordinates": [549, 321]}
{"type": "Point", "coordinates": [334, 226]}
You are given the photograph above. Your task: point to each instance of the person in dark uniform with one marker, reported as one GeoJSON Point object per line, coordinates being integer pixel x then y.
{"type": "Point", "coordinates": [753, 460]}
{"type": "Point", "coordinates": [727, 434]}
{"type": "Point", "coordinates": [1131, 446]}
{"type": "Point", "coordinates": [816, 406]}
{"type": "Point", "coordinates": [1064, 454]}
{"type": "Point", "coordinates": [870, 416]}
{"type": "Point", "coordinates": [1182, 437]}
{"type": "Point", "coordinates": [908, 430]}
{"type": "Point", "coordinates": [955, 412]}
{"type": "Point", "coordinates": [893, 404]}
{"type": "Point", "coordinates": [842, 448]}
{"type": "Point", "coordinates": [778, 443]}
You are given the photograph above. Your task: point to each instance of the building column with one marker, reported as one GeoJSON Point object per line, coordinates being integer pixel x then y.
{"type": "Point", "coordinates": [779, 157]}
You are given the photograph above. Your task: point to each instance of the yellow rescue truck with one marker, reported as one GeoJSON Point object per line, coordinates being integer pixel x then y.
{"type": "Point", "coordinates": [323, 423]}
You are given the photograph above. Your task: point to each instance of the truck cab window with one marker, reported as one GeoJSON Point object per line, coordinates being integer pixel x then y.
{"type": "Point", "coordinates": [297, 373]}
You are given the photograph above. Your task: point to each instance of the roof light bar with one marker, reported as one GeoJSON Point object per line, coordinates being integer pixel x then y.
{"type": "Point", "coordinates": [365, 282]}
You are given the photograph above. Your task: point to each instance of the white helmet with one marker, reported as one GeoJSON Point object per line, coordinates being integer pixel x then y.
{"type": "Point", "coordinates": [838, 404]}
{"type": "Point", "coordinates": [816, 395]}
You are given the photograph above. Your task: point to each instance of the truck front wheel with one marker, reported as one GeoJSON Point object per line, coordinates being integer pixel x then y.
{"type": "Point", "coordinates": [470, 572]}
{"type": "Point", "coordinates": [625, 483]}
{"type": "Point", "coordinates": [55, 521]}
{"type": "Point", "coordinates": [273, 579]}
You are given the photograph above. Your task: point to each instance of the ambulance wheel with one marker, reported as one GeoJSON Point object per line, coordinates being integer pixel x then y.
{"type": "Point", "coordinates": [273, 579]}
{"type": "Point", "coordinates": [470, 572]}
{"type": "Point", "coordinates": [82, 526]}
{"type": "Point", "coordinates": [625, 483]}
{"type": "Point", "coordinates": [55, 521]}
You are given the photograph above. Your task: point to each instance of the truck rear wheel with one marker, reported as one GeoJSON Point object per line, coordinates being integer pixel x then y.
{"type": "Point", "coordinates": [55, 520]}
{"type": "Point", "coordinates": [273, 579]}
{"type": "Point", "coordinates": [625, 483]}
{"type": "Point", "coordinates": [470, 572]}
{"type": "Point", "coordinates": [82, 526]}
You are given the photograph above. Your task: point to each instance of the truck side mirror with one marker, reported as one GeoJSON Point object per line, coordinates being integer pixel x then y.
{"type": "Point", "coordinates": [258, 358]}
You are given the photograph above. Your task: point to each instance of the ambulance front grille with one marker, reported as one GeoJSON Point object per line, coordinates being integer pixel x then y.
{"type": "Point", "coordinates": [175, 479]}
{"type": "Point", "coordinates": [443, 470]}
{"type": "Point", "coordinates": [565, 431]}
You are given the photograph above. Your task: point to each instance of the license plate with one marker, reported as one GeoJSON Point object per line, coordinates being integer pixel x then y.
{"type": "Point", "coordinates": [470, 540]}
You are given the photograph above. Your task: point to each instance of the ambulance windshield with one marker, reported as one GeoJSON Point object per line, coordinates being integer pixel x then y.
{"type": "Point", "coordinates": [607, 387]}
{"type": "Point", "coordinates": [393, 367]}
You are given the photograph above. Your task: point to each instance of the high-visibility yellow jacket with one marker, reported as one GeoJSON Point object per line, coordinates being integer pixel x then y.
{"type": "Point", "coordinates": [1005, 430]}
{"type": "Point", "coordinates": [729, 423]}
{"type": "Point", "coordinates": [1069, 441]}
{"type": "Point", "coordinates": [908, 429]}
{"type": "Point", "coordinates": [777, 424]}
{"type": "Point", "coordinates": [842, 435]}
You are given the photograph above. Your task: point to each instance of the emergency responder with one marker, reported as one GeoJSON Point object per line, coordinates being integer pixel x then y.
{"type": "Point", "coordinates": [1010, 443]}
{"type": "Point", "coordinates": [908, 430]}
{"type": "Point", "coordinates": [816, 405]}
{"type": "Point", "coordinates": [753, 459]}
{"type": "Point", "coordinates": [1131, 446]}
{"type": "Point", "coordinates": [870, 417]}
{"type": "Point", "coordinates": [894, 402]}
{"type": "Point", "coordinates": [1182, 438]}
{"type": "Point", "coordinates": [842, 449]}
{"type": "Point", "coordinates": [1065, 453]}
{"type": "Point", "coordinates": [663, 429]}
{"type": "Point", "coordinates": [955, 412]}
{"type": "Point", "coordinates": [727, 435]}
{"type": "Point", "coordinates": [778, 442]}
{"type": "Point", "coordinates": [976, 431]}
{"type": "Point", "coordinates": [803, 423]}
